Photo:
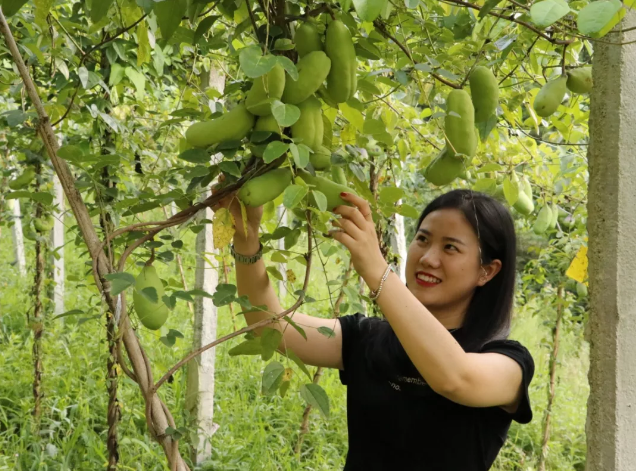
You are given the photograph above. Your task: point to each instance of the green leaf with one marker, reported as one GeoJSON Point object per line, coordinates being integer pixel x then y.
{"type": "Point", "coordinates": [204, 27]}
{"type": "Point", "coordinates": [486, 185]}
{"type": "Point", "coordinates": [353, 116]}
{"type": "Point", "coordinates": [272, 377]}
{"type": "Point", "coordinates": [293, 195]}
{"type": "Point", "coordinates": [11, 7]}
{"type": "Point", "coordinates": [99, 9]}
{"type": "Point", "coordinates": [200, 292]}
{"type": "Point", "coordinates": [300, 153]}
{"type": "Point", "coordinates": [41, 197]}
{"type": "Point", "coordinates": [408, 211]}
{"type": "Point", "coordinates": [296, 327]}
{"type": "Point", "coordinates": [150, 294]}
{"type": "Point", "coordinates": [195, 156]}
{"type": "Point", "coordinates": [72, 312]}
{"type": "Point", "coordinates": [285, 115]}
{"type": "Point", "coordinates": [369, 10]}
{"type": "Point", "coordinates": [169, 14]}
{"type": "Point", "coordinates": [289, 66]}
{"type": "Point", "coordinates": [183, 295]}
{"type": "Point", "coordinates": [391, 195]}
{"type": "Point", "coordinates": [511, 190]}
{"type": "Point", "coordinates": [270, 339]}
{"type": "Point", "coordinates": [231, 168]}
{"type": "Point", "coordinates": [83, 76]}
{"type": "Point", "coordinates": [317, 397]}
{"type": "Point", "coordinates": [253, 63]}
{"type": "Point", "coordinates": [548, 12]}
{"type": "Point", "coordinates": [488, 6]}
{"type": "Point", "coordinates": [73, 154]}
{"type": "Point", "coordinates": [138, 79]}
{"type": "Point", "coordinates": [593, 17]}
{"type": "Point", "coordinates": [249, 347]}
{"type": "Point", "coordinates": [412, 4]}
{"type": "Point", "coordinates": [119, 282]}
{"type": "Point", "coordinates": [320, 199]}
{"type": "Point", "coordinates": [224, 294]}
{"type": "Point", "coordinates": [274, 150]}
{"type": "Point", "coordinates": [146, 5]}
{"type": "Point", "coordinates": [326, 331]}
{"type": "Point", "coordinates": [296, 359]}
{"type": "Point", "coordinates": [116, 74]}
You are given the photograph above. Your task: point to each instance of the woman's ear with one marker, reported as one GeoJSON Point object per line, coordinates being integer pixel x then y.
{"type": "Point", "coordinates": [488, 272]}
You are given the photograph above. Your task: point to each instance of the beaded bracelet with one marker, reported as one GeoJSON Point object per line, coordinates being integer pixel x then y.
{"type": "Point", "coordinates": [375, 294]}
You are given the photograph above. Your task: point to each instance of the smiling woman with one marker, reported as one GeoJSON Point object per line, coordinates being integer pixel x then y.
{"type": "Point", "coordinates": [435, 384]}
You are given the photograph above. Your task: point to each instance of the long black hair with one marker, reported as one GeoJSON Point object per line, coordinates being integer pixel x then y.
{"type": "Point", "coordinates": [490, 309]}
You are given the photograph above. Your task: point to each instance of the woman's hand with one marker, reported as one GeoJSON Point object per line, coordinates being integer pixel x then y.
{"type": "Point", "coordinates": [254, 215]}
{"type": "Point", "coordinates": [357, 233]}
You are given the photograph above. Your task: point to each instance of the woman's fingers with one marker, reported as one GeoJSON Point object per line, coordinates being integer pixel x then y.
{"type": "Point", "coordinates": [351, 213]}
{"type": "Point", "coordinates": [360, 203]}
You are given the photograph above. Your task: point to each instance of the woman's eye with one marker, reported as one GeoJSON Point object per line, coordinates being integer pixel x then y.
{"type": "Point", "coordinates": [451, 247]}
{"type": "Point", "coordinates": [421, 239]}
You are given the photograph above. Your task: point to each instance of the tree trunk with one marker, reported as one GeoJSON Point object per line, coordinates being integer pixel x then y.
{"type": "Point", "coordinates": [554, 356]}
{"type": "Point", "coordinates": [37, 325]}
{"type": "Point", "coordinates": [18, 237]}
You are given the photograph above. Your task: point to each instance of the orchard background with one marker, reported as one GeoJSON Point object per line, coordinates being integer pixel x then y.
{"type": "Point", "coordinates": [121, 81]}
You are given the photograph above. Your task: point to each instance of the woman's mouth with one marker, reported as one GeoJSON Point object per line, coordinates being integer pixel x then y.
{"type": "Point", "coordinates": [426, 279]}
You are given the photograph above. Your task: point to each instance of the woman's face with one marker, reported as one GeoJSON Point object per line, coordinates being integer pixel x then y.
{"type": "Point", "coordinates": [443, 262]}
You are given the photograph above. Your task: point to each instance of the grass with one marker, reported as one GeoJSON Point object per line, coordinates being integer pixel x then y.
{"type": "Point", "coordinates": [256, 432]}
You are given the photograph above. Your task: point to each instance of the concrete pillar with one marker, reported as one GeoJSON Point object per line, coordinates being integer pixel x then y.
{"type": "Point", "coordinates": [18, 237]}
{"type": "Point", "coordinates": [611, 418]}
{"type": "Point", "coordinates": [398, 242]}
{"type": "Point", "coordinates": [57, 246]}
{"type": "Point", "coordinates": [200, 379]}
{"type": "Point", "coordinates": [281, 216]}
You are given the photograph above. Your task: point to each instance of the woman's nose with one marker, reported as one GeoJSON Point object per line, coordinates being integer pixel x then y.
{"type": "Point", "coordinates": [430, 258]}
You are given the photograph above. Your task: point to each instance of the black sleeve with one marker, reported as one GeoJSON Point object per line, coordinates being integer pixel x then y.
{"type": "Point", "coordinates": [350, 326]}
{"type": "Point", "coordinates": [521, 355]}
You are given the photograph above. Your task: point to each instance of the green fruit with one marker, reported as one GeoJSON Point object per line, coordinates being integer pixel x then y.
{"type": "Point", "coordinates": [267, 124]}
{"type": "Point", "coordinates": [321, 158]}
{"type": "Point", "coordinates": [330, 189]}
{"type": "Point", "coordinates": [524, 204]}
{"type": "Point", "coordinates": [265, 90]}
{"type": "Point", "coordinates": [580, 80]}
{"type": "Point", "coordinates": [342, 79]}
{"type": "Point", "coordinates": [307, 39]}
{"type": "Point", "coordinates": [23, 180]}
{"type": "Point", "coordinates": [29, 233]}
{"type": "Point", "coordinates": [324, 94]}
{"type": "Point", "coordinates": [550, 96]}
{"type": "Point", "coordinates": [312, 71]}
{"type": "Point", "coordinates": [581, 290]}
{"type": "Point", "coordinates": [43, 224]}
{"type": "Point", "coordinates": [151, 315]}
{"type": "Point", "coordinates": [484, 90]}
{"type": "Point", "coordinates": [543, 220]}
{"type": "Point", "coordinates": [525, 186]}
{"type": "Point", "coordinates": [555, 217]}
{"type": "Point", "coordinates": [267, 187]}
{"type": "Point", "coordinates": [233, 125]}
{"type": "Point", "coordinates": [459, 123]}
{"type": "Point", "coordinates": [327, 132]}
{"type": "Point", "coordinates": [444, 168]}
{"type": "Point", "coordinates": [309, 126]}
{"type": "Point", "coordinates": [338, 175]}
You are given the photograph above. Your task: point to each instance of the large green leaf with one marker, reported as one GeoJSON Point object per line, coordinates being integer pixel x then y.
{"type": "Point", "coordinates": [11, 7]}
{"type": "Point", "coordinates": [317, 397]}
{"type": "Point", "coordinates": [99, 9]}
{"type": "Point", "coordinates": [254, 63]}
{"type": "Point", "coordinates": [369, 10]}
{"type": "Point", "coordinates": [548, 12]}
{"type": "Point", "coordinates": [169, 14]}
{"type": "Point", "coordinates": [595, 16]}
{"type": "Point", "coordinates": [272, 377]}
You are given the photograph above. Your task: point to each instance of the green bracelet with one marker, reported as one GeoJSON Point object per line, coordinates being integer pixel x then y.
{"type": "Point", "coordinates": [247, 260]}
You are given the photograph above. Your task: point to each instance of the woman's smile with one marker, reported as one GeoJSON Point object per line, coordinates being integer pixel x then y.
{"type": "Point", "coordinates": [426, 279]}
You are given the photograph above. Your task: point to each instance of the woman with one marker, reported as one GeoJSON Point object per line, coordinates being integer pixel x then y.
{"type": "Point", "coordinates": [435, 385]}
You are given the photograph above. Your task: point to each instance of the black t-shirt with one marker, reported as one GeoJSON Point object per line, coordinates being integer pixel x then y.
{"type": "Point", "coordinates": [404, 425]}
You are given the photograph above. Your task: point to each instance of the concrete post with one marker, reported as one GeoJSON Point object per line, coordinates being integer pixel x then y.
{"type": "Point", "coordinates": [200, 379]}
{"type": "Point", "coordinates": [398, 242]}
{"type": "Point", "coordinates": [57, 246]}
{"type": "Point", "coordinates": [611, 419]}
{"type": "Point", "coordinates": [18, 237]}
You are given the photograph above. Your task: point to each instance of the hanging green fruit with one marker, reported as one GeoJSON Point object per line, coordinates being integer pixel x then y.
{"type": "Point", "coordinates": [580, 80]}
{"type": "Point", "coordinates": [342, 79]}
{"type": "Point", "coordinates": [550, 96]}
{"type": "Point", "coordinates": [484, 90]}
{"type": "Point", "coordinates": [233, 125]}
{"type": "Point", "coordinates": [312, 71]}
{"type": "Point", "coordinates": [459, 123]}
{"type": "Point", "coordinates": [264, 188]}
{"type": "Point", "coordinates": [265, 90]}
{"type": "Point", "coordinates": [307, 39]}
{"type": "Point", "coordinates": [151, 314]}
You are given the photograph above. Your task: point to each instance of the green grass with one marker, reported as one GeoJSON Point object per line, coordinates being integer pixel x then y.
{"type": "Point", "coordinates": [256, 432]}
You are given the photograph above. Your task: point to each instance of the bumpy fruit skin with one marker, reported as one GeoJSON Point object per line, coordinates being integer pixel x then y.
{"type": "Point", "coordinates": [233, 125]}
{"type": "Point", "coordinates": [266, 187]}
{"type": "Point", "coordinates": [460, 130]}
{"type": "Point", "coordinates": [550, 96]}
{"type": "Point", "coordinates": [484, 90]}
{"type": "Point", "coordinates": [312, 71]}
{"type": "Point", "coordinates": [580, 80]}
{"type": "Point", "coordinates": [330, 189]}
{"type": "Point", "coordinates": [307, 39]}
{"type": "Point", "coordinates": [338, 175]}
{"type": "Point", "coordinates": [543, 220]}
{"type": "Point", "coordinates": [266, 89]}
{"type": "Point", "coordinates": [43, 224]}
{"type": "Point", "coordinates": [23, 180]}
{"type": "Point", "coordinates": [309, 126]}
{"type": "Point", "coordinates": [321, 158]}
{"type": "Point", "coordinates": [444, 168]}
{"type": "Point", "coordinates": [151, 315]}
{"type": "Point", "coordinates": [342, 80]}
